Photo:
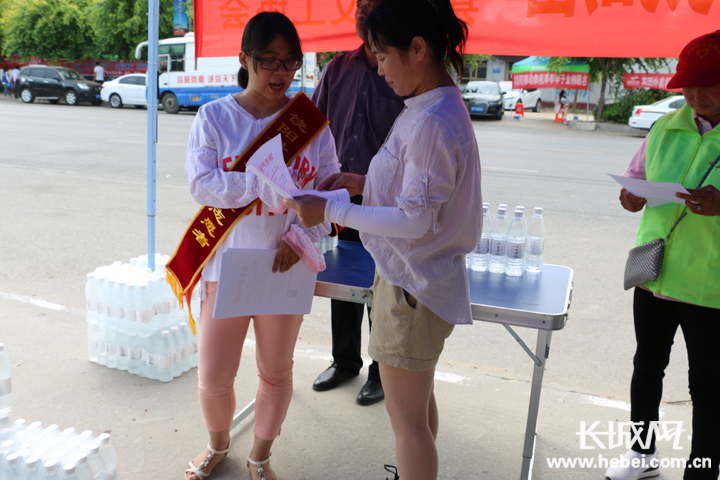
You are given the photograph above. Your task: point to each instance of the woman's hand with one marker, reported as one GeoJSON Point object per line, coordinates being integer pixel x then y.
{"type": "Point", "coordinates": [630, 202]}
{"type": "Point", "coordinates": [702, 201]}
{"type": "Point", "coordinates": [285, 258]}
{"type": "Point", "coordinates": [309, 208]}
{"type": "Point", "coordinates": [354, 183]}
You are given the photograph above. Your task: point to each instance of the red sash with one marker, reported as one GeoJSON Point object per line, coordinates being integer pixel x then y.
{"type": "Point", "coordinates": [298, 123]}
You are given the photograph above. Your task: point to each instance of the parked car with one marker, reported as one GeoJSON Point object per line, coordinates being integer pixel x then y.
{"type": "Point", "coordinates": [531, 99]}
{"type": "Point", "coordinates": [54, 83]}
{"type": "Point", "coordinates": [483, 98]}
{"type": "Point", "coordinates": [645, 116]}
{"type": "Point", "coordinates": [126, 90]}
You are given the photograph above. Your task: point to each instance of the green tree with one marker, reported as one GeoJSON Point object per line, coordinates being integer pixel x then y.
{"type": "Point", "coordinates": [119, 25]}
{"type": "Point", "coordinates": [55, 29]}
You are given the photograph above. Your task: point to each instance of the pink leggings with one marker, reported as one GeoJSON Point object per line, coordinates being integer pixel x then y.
{"type": "Point", "coordinates": [221, 343]}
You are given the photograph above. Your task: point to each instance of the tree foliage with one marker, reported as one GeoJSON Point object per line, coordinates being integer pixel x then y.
{"type": "Point", "coordinates": [119, 25]}
{"type": "Point", "coordinates": [78, 29]}
{"type": "Point", "coordinates": [54, 29]}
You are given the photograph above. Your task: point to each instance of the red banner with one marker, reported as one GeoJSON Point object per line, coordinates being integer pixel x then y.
{"type": "Point", "coordinates": [648, 80]}
{"type": "Point", "coordinates": [570, 80]}
{"type": "Point", "coordinates": [567, 28]}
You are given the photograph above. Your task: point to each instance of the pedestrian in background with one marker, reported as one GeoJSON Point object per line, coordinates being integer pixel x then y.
{"type": "Point", "coordinates": [99, 73]}
{"type": "Point", "coordinates": [682, 147]}
{"type": "Point", "coordinates": [15, 75]}
{"type": "Point", "coordinates": [7, 82]}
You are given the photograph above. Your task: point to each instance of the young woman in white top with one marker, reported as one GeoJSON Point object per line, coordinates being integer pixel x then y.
{"type": "Point", "coordinates": [270, 55]}
{"type": "Point", "coordinates": [419, 217]}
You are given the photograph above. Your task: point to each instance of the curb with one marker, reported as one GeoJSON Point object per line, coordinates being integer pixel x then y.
{"type": "Point", "coordinates": [605, 127]}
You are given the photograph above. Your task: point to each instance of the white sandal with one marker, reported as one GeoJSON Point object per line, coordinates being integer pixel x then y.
{"type": "Point", "coordinates": [191, 468]}
{"type": "Point", "coordinates": [259, 466]}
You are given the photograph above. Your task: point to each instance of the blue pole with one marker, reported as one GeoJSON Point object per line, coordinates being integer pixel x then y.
{"type": "Point", "coordinates": [152, 102]}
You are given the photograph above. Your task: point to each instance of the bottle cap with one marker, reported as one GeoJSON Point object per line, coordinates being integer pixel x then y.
{"type": "Point", "coordinates": [86, 433]}
{"type": "Point", "coordinates": [182, 326]}
{"type": "Point", "coordinates": [20, 422]}
{"type": "Point", "coordinates": [51, 429]}
{"type": "Point", "coordinates": [12, 459]}
{"type": "Point", "coordinates": [81, 459]}
{"type": "Point", "coordinates": [104, 438]}
{"type": "Point", "coordinates": [486, 204]}
{"type": "Point", "coordinates": [68, 431]}
{"type": "Point", "coordinates": [520, 207]}
{"type": "Point", "coordinates": [486, 207]}
{"type": "Point", "coordinates": [2, 347]}
{"type": "Point", "coordinates": [25, 446]}
{"type": "Point", "coordinates": [31, 463]}
{"type": "Point", "coordinates": [7, 443]}
{"type": "Point", "coordinates": [502, 210]}
{"type": "Point", "coordinates": [35, 425]}
{"type": "Point", "coordinates": [537, 211]}
{"type": "Point", "coordinates": [50, 467]}
{"type": "Point", "coordinates": [69, 469]}
{"type": "Point", "coordinates": [174, 330]}
{"type": "Point", "coordinates": [93, 448]}
{"type": "Point", "coordinates": [518, 213]}
{"type": "Point", "coordinates": [165, 333]}
{"type": "Point", "coordinates": [502, 205]}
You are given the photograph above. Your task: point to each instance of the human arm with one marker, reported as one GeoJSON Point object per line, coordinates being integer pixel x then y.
{"type": "Point", "coordinates": [702, 201]}
{"type": "Point", "coordinates": [355, 184]}
{"type": "Point", "coordinates": [383, 221]}
{"type": "Point", "coordinates": [636, 169]}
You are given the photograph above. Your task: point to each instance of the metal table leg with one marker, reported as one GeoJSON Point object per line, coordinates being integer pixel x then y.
{"type": "Point", "coordinates": [541, 352]}
{"type": "Point", "coordinates": [243, 414]}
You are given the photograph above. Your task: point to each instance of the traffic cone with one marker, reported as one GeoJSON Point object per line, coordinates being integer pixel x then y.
{"type": "Point", "coordinates": [520, 109]}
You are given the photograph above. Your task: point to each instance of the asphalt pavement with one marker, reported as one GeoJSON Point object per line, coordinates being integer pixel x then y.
{"type": "Point", "coordinates": [73, 183]}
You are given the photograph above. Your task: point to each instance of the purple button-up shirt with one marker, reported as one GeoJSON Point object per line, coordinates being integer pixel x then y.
{"type": "Point", "coordinates": [361, 108]}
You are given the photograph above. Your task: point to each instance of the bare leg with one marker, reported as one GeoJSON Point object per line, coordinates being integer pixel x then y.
{"type": "Point", "coordinates": [408, 397]}
{"type": "Point", "coordinates": [433, 418]}
{"type": "Point", "coordinates": [219, 441]}
{"type": "Point", "coordinates": [261, 451]}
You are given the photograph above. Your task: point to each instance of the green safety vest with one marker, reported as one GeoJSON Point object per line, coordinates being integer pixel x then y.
{"type": "Point", "coordinates": [676, 152]}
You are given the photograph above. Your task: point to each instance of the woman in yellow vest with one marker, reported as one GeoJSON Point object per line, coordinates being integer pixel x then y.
{"type": "Point", "coordinates": [682, 147]}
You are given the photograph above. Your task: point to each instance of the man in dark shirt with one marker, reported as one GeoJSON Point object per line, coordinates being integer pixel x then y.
{"type": "Point", "coordinates": [361, 108]}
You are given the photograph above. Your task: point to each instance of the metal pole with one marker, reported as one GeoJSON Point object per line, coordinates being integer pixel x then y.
{"type": "Point", "coordinates": [151, 93]}
{"type": "Point", "coordinates": [302, 75]}
{"type": "Point", "coordinates": [587, 102]}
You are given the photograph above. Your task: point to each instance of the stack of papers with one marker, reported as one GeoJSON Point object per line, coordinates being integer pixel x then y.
{"type": "Point", "coordinates": [656, 193]}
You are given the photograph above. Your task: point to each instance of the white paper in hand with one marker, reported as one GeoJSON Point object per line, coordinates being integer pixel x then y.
{"type": "Point", "coordinates": [247, 286]}
{"type": "Point", "coordinates": [656, 193]}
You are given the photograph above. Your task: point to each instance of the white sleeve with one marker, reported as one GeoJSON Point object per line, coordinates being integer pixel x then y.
{"type": "Point", "coordinates": [382, 221]}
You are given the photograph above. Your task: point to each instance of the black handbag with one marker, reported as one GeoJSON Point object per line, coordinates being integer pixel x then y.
{"type": "Point", "coordinates": [645, 261]}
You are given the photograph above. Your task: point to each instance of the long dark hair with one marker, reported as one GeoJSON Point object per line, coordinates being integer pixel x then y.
{"type": "Point", "coordinates": [259, 33]}
{"type": "Point", "coordinates": [395, 23]}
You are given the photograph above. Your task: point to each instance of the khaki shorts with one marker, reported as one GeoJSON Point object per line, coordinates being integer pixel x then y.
{"type": "Point", "coordinates": [403, 336]}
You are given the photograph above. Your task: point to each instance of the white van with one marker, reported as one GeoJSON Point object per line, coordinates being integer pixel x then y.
{"type": "Point", "coordinates": [186, 81]}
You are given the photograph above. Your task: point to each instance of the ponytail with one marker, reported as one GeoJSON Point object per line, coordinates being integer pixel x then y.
{"type": "Point", "coordinates": [395, 23]}
{"type": "Point", "coordinates": [243, 78]}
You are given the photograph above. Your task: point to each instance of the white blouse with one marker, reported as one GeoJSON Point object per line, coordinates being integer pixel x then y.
{"type": "Point", "coordinates": [221, 131]}
{"type": "Point", "coordinates": [429, 161]}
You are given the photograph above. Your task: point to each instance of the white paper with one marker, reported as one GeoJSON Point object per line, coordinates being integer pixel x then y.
{"type": "Point", "coordinates": [267, 163]}
{"type": "Point", "coordinates": [656, 193]}
{"type": "Point", "coordinates": [247, 286]}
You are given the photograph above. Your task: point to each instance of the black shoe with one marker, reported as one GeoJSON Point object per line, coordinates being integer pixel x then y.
{"type": "Point", "coordinates": [372, 392]}
{"type": "Point", "coordinates": [392, 469]}
{"type": "Point", "coordinates": [331, 378]}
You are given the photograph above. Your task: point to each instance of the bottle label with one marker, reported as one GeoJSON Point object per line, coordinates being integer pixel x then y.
{"type": "Point", "coordinates": [515, 251]}
{"type": "Point", "coordinates": [164, 308]}
{"type": "Point", "coordinates": [151, 359]}
{"type": "Point", "coordinates": [5, 387]}
{"type": "Point", "coordinates": [177, 356]}
{"type": "Point", "coordinates": [135, 354]}
{"type": "Point", "coordinates": [535, 246]}
{"type": "Point", "coordinates": [111, 349]}
{"type": "Point", "coordinates": [122, 351]}
{"type": "Point", "coordinates": [101, 347]}
{"type": "Point", "coordinates": [194, 349]}
{"type": "Point", "coordinates": [483, 246]}
{"type": "Point", "coordinates": [146, 316]}
{"type": "Point", "coordinates": [131, 315]}
{"type": "Point", "coordinates": [112, 311]}
{"type": "Point", "coordinates": [94, 343]}
{"type": "Point", "coordinates": [498, 247]}
{"type": "Point", "coordinates": [91, 305]}
{"type": "Point", "coordinates": [101, 308]}
{"type": "Point", "coordinates": [121, 313]}
{"type": "Point", "coordinates": [184, 353]}
{"type": "Point", "coordinates": [166, 361]}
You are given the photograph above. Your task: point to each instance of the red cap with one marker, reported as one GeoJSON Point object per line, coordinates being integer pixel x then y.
{"type": "Point", "coordinates": [699, 64]}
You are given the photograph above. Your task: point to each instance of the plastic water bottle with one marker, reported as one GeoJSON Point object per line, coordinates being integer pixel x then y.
{"type": "Point", "coordinates": [50, 470]}
{"type": "Point", "coordinates": [69, 472]}
{"type": "Point", "coordinates": [6, 395]}
{"type": "Point", "coordinates": [165, 362]}
{"type": "Point", "coordinates": [535, 242]}
{"type": "Point", "coordinates": [482, 250]}
{"type": "Point", "coordinates": [32, 469]}
{"type": "Point", "coordinates": [177, 351]}
{"type": "Point", "coordinates": [185, 347]}
{"type": "Point", "coordinates": [150, 357]}
{"type": "Point", "coordinates": [97, 464]}
{"type": "Point", "coordinates": [107, 452]}
{"type": "Point", "coordinates": [82, 468]}
{"type": "Point", "coordinates": [12, 467]}
{"type": "Point", "coordinates": [498, 242]}
{"type": "Point", "coordinates": [516, 245]}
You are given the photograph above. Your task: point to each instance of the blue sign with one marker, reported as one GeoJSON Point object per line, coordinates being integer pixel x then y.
{"type": "Point", "coordinates": [496, 69]}
{"type": "Point", "coordinates": [180, 19]}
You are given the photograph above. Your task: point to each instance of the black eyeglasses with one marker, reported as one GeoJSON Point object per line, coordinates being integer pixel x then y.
{"type": "Point", "coordinates": [274, 63]}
